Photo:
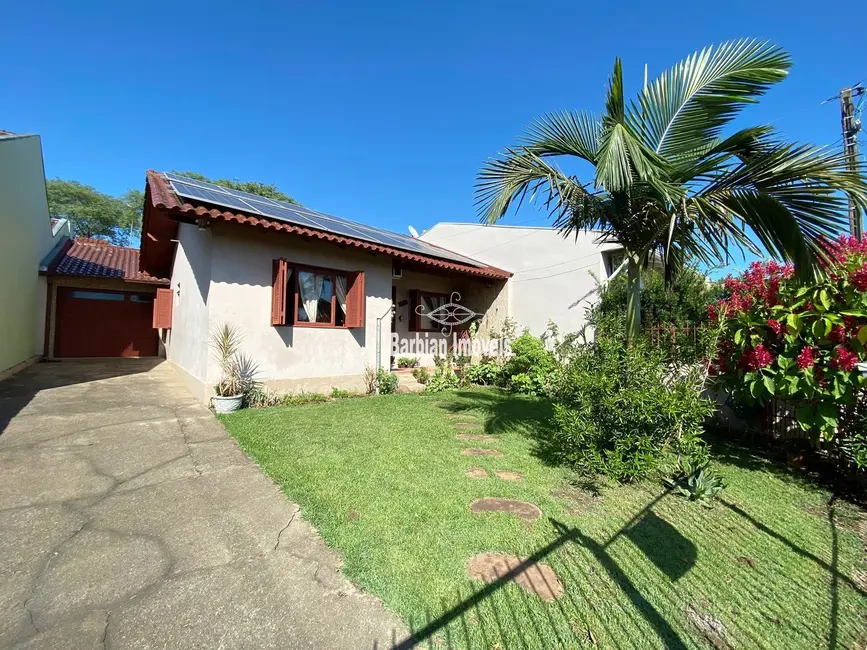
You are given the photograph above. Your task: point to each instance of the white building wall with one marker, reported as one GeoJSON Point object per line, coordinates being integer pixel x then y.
{"type": "Point", "coordinates": [25, 239]}
{"type": "Point", "coordinates": [553, 276]}
{"type": "Point", "coordinates": [186, 345]}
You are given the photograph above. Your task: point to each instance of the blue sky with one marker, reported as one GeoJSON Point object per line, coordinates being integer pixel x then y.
{"type": "Point", "coordinates": [378, 112]}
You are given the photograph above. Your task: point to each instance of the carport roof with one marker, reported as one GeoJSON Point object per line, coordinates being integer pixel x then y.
{"type": "Point", "coordinates": [94, 258]}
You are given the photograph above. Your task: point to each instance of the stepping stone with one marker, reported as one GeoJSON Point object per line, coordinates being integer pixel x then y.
{"type": "Point", "coordinates": [481, 452]}
{"type": "Point", "coordinates": [509, 476]}
{"type": "Point", "coordinates": [538, 579]}
{"type": "Point", "coordinates": [521, 509]}
{"type": "Point", "coordinates": [466, 425]}
{"type": "Point", "coordinates": [477, 472]}
{"type": "Point", "coordinates": [475, 436]}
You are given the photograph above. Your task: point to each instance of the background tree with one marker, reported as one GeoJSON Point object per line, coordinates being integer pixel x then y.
{"type": "Point", "coordinates": [94, 214]}
{"type": "Point", "coordinates": [664, 179]}
{"type": "Point", "coordinates": [267, 190]}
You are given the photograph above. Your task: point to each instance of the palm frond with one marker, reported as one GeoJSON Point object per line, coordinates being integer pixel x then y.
{"type": "Point", "coordinates": [566, 133]}
{"type": "Point", "coordinates": [687, 106]}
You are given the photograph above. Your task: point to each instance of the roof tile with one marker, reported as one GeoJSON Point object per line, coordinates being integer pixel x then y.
{"type": "Point", "coordinates": [95, 258]}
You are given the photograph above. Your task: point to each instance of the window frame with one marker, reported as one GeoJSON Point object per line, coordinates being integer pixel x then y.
{"type": "Point", "coordinates": [430, 294]}
{"type": "Point", "coordinates": [332, 273]}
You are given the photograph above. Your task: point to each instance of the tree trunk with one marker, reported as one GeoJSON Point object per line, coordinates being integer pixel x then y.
{"type": "Point", "coordinates": [633, 300]}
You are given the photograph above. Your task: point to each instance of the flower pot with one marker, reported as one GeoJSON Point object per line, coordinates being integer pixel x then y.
{"type": "Point", "coordinates": [227, 404]}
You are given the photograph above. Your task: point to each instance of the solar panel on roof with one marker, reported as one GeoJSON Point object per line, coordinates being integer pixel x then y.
{"type": "Point", "coordinates": [191, 188]}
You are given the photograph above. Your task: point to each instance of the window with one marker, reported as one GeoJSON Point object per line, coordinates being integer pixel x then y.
{"type": "Point", "coordinates": [425, 302]}
{"type": "Point", "coordinates": [141, 297]}
{"type": "Point", "coordinates": [97, 295]}
{"type": "Point", "coordinates": [313, 297]}
{"type": "Point", "coordinates": [613, 259]}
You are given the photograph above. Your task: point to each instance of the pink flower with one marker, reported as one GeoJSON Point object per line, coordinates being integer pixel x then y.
{"type": "Point", "coordinates": [844, 359]}
{"type": "Point", "coordinates": [806, 358]}
{"type": "Point", "coordinates": [756, 359]}
{"type": "Point", "coordinates": [775, 325]}
{"type": "Point", "coordinates": [852, 325]}
{"type": "Point", "coordinates": [859, 278]}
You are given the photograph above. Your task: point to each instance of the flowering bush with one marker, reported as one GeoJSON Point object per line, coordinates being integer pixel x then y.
{"type": "Point", "coordinates": [800, 342]}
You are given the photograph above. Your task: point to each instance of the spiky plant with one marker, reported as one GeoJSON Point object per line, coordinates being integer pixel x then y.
{"type": "Point", "coordinates": [668, 180]}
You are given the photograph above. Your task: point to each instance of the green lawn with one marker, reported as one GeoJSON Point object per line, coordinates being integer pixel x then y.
{"type": "Point", "coordinates": [383, 480]}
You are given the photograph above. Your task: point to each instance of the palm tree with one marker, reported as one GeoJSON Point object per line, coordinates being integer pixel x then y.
{"type": "Point", "coordinates": [666, 181]}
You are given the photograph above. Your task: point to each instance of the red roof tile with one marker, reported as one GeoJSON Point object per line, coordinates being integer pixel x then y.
{"type": "Point", "coordinates": [162, 196]}
{"type": "Point", "coordinates": [94, 258]}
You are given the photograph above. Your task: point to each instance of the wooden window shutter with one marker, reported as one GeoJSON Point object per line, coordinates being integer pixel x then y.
{"type": "Point", "coordinates": [414, 317]}
{"type": "Point", "coordinates": [278, 291]}
{"type": "Point", "coordinates": [355, 299]}
{"type": "Point", "coordinates": [163, 303]}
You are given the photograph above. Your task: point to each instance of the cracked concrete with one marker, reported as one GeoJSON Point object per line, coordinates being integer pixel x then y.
{"type": "Point", "coordinates": [129, 519]}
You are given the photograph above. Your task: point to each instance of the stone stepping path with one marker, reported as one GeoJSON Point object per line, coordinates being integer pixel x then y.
{"type": "Point", "coordinates": [481, 452]}
{"type": "Point", "coordinates": [482, 437]}
{"type": "Point", "coordinates": [476, 472]}
{"type": "Point", "coordinates": [538, 579]}
{"type": "Point", "coordinates": [521, 509]}
{"type": "Point", "coordinates": [506, 475]}
{"type": "Point", "coordinates": [466, 425]}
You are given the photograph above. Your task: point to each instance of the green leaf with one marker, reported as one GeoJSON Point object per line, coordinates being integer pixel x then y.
{"type": "Point", "coordinates": [821, 328]}
{"type": "Point", "coordinates": [827, 414]}
{"type": "Point", "coordinates": [794, 323]}
{"type": "Point", "coordinates": [793, 385]}
{"type": "Point", "coordinates": [739, 337]}
{"type": "Point", "coordinates": [806, 417]}
{"type": "Point", "coordinates": [769, 383]}
{"type": "Point", "coordinates": [862, 335]}
{"type": "Point", "coordinates": [755, 389]}
{"type": "Point", "coordinates": [825, 299]}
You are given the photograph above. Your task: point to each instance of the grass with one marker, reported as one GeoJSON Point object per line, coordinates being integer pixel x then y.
{"type": "Point", "coordinates": [383, 480]}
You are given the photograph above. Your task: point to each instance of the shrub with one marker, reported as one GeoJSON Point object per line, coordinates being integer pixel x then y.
{"type": "Point", "coordinates": [622, 413]}
{"type": "Point", "coordinates": [370, 379]}
{"type": "Point", "coordinates": [444, 378]}
{"type": "Point", "coordinates": [422, 375]}
{"type": "Point", "coordinates": [386, 382]}
{"type": "Point", "coordinates": [407, 362]}
{"type": "Point", "coordinates": [485, 373]}
{"type": "Point", "coordinates": [340, 393]}
{"type": "Point", "coordinates": [531, 366]}
{"type": "Point", "coordinates": [297, 399]}
{"type": "Point", "coordinates": [799, 342]}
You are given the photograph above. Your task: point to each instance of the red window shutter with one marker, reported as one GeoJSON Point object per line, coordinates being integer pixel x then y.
{"type": "Point", "coordinates": [414, 317]}
{"type": "Point", "coordinates": [355, 299]}
{"type": "Point", "coordinates": [163, 309]}
{"type": "Point", "coordinates": [278, 292]}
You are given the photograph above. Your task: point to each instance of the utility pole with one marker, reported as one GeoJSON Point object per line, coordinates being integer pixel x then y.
{"type": "Point", "coordinates": [851, 126]}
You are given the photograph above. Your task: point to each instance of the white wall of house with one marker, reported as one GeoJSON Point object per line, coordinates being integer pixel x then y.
{"type": "Point", "coordinates": [26, 237]}
{"type": "Point", "coordinates": [553, 276]}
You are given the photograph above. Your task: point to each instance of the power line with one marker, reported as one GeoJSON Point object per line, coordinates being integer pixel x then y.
{"type": "Point", "coordinates": [554, 275]}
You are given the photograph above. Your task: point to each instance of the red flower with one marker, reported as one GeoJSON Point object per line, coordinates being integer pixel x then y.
{"type": "Point", "coordinates": [775, 325]}
{"type": "Point", "coordinates": [838, 334]}
{"type": "Point", "coordinates": [852, 325]}
{"type": "Point", "coordinates": [756, 359]}
{"type": "Point", "coordinates": [806, 358]}
{"type": "Point", "coordinates": [859, 278]}
{"type": "Point", "coordinates": [844, 359]}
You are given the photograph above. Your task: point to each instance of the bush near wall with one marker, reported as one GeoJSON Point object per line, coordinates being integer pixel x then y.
{"type": "Point", "coordinates": [800, 342]}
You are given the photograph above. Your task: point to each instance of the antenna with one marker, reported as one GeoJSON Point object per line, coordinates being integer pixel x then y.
{"type": "Point", "coordinates": [413, 232]}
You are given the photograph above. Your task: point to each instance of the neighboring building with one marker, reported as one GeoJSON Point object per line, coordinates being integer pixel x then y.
{"type": "Point", "coordinates": [27, 236]}
{"type": "Point", "coordinates": [98, 302]}
{"type": "Point", "coordinates": [308, 292]}
{"type": "Point", "coordinates": [555, 277]}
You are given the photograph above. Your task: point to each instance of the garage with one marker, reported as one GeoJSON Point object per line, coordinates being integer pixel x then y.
{"type": "Point", "coordinates": [99, 303]}
{"type": "Point", "coordinates": [95, 323]}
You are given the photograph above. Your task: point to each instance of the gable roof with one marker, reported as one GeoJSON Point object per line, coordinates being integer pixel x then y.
{"type": "Point", "coordinates": [161, 195]}
{"type": "Point", "coordinates": [94, 258]}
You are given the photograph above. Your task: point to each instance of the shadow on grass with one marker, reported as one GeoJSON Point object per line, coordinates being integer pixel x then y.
{"type": "Point", "coordinates": [504, 411]}
{"type": "Point", "coordinates": [502, 621]}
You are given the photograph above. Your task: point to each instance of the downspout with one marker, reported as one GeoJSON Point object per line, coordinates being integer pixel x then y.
{"type": "Point", "coordinates": [379, 344]}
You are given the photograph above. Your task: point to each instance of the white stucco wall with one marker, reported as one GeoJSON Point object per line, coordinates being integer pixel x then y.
{"type": "Point", "coordinates": [553, 276]}
{"type": "Point", "coordinates": [25, 238]}
{"type": "Point", "coordinates": [186, 346]}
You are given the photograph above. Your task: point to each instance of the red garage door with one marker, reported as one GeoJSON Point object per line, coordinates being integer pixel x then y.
{"type": "Point", "coordinates": [93, 323]}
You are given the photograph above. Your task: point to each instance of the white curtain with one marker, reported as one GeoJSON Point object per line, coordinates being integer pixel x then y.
{"type": "Point", "coordinates": [340, 291]}
{"type": "Point", "coordinates": [310, 286]}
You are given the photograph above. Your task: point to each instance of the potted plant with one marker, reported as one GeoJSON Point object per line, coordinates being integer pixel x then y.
{"type": "Point", "coordinates": [237, 372]}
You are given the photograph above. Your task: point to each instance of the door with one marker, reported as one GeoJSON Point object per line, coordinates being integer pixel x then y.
{"type": "Point", "coordinates": [98, 323]}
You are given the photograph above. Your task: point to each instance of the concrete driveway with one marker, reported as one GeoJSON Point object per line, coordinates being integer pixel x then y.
{"type": "Point", "coordinates": [129, 519]}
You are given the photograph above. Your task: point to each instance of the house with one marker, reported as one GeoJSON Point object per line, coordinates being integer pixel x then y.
{"type": "Point", "coordinates": [98, 302]}
{"type": "Point", "coordinates": [311, 294]}
{"type": "Point", "coordinates": [555, 278]}
{"type": "Point", "coordinates": [27, 236]}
